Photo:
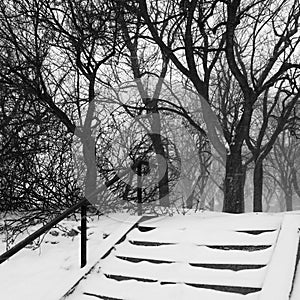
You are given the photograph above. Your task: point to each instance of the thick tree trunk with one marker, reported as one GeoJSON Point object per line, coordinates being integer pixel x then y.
{"type": "Point", "coordinates": [234, 184]}
{"type": "Point", "coordinates": [189, 201]}
{"type": "Point", "coordinates": [163, 177]}
{"type": "Point", "coordinates": [288, 201]}
{"type": "Point", "coordinates": [257, 186]}
{"type": "Point", "coordinates": [161, 157]}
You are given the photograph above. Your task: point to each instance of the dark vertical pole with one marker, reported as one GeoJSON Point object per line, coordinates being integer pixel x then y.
{"type": "Point", "coordinates": [83, 234]}
{"type": "Point", "coordinates": [139, 188]}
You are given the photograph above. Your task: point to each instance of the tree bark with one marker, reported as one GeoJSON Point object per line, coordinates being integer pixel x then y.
{"type": "Point", "coordinates": [295, 181]}
{"type": "Point", "coordinates": [89, 147]}
{"type": "Point", "coordinates": [162, 165]}
{"type": "Point", "coordinates": [257, 186]}
{"type": "Point", "coordinates": [160, 153]}
{"type": "Point", "coordinates": [91, 168]}
{"type": "Point", "coordinates": [234, 183]}
{"type": "Point", "coordinates": [288, 201]}
{"type": "Point", "coordinates": [152, 110]}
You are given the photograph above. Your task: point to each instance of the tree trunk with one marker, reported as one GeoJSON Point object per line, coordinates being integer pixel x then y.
{"type": "Point", "coordinates": [257, 186]}
{"type": "Point", "coordinates": [163, 178]}
{"type": "Point", "coordinates": [161, 158]}
{"type": "Point", "coordinates": [91, 168]}
{"type": "Point", "coordinates": [288, 201]}
{"type": "Point", "coordinates": [295, 181]}
{"type": "Point", "coordinates": [189, 201]}
{"type": "Point", "coordinates": [234, 183]}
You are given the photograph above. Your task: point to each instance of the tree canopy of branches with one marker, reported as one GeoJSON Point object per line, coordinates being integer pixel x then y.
{"type": "Point", "coordinates": [61, 59]}
{"type": "Point", "coordinates": [258, 41]}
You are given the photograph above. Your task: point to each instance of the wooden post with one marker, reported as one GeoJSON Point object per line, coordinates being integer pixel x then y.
{"type": "Point", "coordinates": [83, 235]}
{"type": "Point", "coordinates": [139, 188]}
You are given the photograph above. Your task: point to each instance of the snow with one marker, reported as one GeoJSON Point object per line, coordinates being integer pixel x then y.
{"type": "Point", "coordinates": [283, 261]}
{"type": "Point", "coordinates": [194, 254]}
{"type": "Point", "coordinates": [47, 273]}
{"type": "Point", "coordinates": [183, 272]}
{"type": "Point", "coordinates": [214, 220]}
{"type": "Point", "coordinates": [133, 290]}
{"type": "Point", "coordinates": [174, 277]}
{"type": "Point", "coordinates": [296, 289]}
{"type": "Point", "coordinates": [203, 236]}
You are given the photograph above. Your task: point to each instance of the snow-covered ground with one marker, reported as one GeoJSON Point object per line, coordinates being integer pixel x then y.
{"type": "Point", "coordinates": [49, 271]}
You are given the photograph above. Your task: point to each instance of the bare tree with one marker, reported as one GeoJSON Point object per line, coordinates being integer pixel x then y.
{"type": "Point", "coordinates": [131, 32]}
{"type": "Point", "coordinates": [55, 54]}
{"type": "Point", "coordinates": [282, 167]}
{"type": "Point", "coordinates": [206, 30]}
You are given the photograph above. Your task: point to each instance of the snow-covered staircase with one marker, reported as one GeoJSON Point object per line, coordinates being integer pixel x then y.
{"type": "Point", "coordinates": [205, 256]}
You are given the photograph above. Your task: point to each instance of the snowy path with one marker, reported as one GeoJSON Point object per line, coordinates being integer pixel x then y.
{"type": "Point", "coordinates": [209, 255]}
{"type": "Point", "coordinates": [217, 256]}
{"type": "Point", "coordinates": [49, 271]}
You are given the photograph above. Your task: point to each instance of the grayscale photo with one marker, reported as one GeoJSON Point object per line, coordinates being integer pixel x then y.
{"type": "Point", "coordinates": [150, 149]}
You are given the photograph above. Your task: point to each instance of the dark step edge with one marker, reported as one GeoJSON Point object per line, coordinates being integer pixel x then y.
{"type": "Point", "coordinates": [145, 228]}
{"type": "Point", "coordinates": [137, 260]}
{"type": "Point", "coordinates": [234, 267]}
{"type": "Point", "coordinates": [144, 243]}
{"type": "Point", "coordinates": [100, 296]}
{"type": "Point", "coordinates": [256, 232]}
{"type": "Point", "coordinates": [226, 288]}
{"type": "Point", "coordinates": [122, 278]}
{"type": "Point", "coordinates": [223, 288]}
{"type": "Point", "coordinates": [249, 248]}
{"type": "Point", "coordinates": [218, 247]}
